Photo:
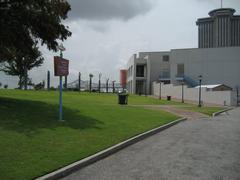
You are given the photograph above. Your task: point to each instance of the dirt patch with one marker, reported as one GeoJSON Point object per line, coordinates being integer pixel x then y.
{"type": "Point", "coordinates": [177, 111]}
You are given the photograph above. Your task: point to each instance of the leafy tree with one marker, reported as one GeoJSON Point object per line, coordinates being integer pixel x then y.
{"type": "Point", "coordinates": [0, 84]}
{"type": "Point", "coordinates": [25, 23]}
{"type": "Point", "coordinates": [5, 86]}
{"type": "Point", "coordinates": [21, 64]}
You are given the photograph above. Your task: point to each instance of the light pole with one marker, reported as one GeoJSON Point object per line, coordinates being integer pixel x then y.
{"type": "Point", "coordinates": [237, 89]}
{"type": "Point", "coordinates": [90, 82]}
{"type": "Point", "coordinates": [48, 80]}
{"type": "Point", "coordinates": [200, 91]}
{"type": "Point", "coordinates": [160, 90]}
{"type": "Point", "coordinates": [113, 84]}
{"type": "Point", "coordinates": [79, 82]}
{"type": "Point", "coordinates": [107, 85]}
{"type": "Point", "coordinates": [182, 92]}
{"type": "Point", "coordinates": [61, 48]}
{"type": "Point", "coordinates": [99, 82]}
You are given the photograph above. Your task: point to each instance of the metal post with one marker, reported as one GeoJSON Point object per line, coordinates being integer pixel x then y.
{"type": "Point", "coordinates": [107, 86]}
{"type": "Point", "coordinates": [113, 84]}
{"type": "Point", "coordinates": [99, 82]}
{"type": "Point", "coordinates": [48, 80]}
{"type": "Point", "coordinates": [182, 92]}
{"type": "Point", "coordinates": [160, 91]}
{"type": "Point", "coordinates": [60, 94]}
{"type": "Point", "coordinates": [60, 99]}
{"type": "Point", "coordinates": [200, 92]}
{"type": "Point", "coordinates": [99, 86]}
{"type": "Point", "coordinates": [237, 96]}
{"type": "Point", "coordinates": [90, 84]}
{"type": "Point", "coordinates": [79, 82]}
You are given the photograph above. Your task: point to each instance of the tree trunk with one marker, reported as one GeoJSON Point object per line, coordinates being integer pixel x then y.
{"type": "Point", "coordinates": [25, 78]}
{"type": "Point", "coordinates": [20, 84]}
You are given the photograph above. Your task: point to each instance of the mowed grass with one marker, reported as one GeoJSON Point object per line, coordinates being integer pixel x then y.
{"type": "Point", "coordinates": [33, 142]}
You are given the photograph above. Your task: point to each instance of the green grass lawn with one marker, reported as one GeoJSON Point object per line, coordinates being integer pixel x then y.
{"type": "Point", "coordinates": [33, 142]}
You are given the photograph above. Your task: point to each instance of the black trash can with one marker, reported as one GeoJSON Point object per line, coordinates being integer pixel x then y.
{"type": "Point", "coordinates": [123, 99]}
{"type": "Point", "coordinates": [169, 98]}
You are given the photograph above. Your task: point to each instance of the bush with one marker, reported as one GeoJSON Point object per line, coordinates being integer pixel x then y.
{"type": "Point", "coordinates": [52, 88]}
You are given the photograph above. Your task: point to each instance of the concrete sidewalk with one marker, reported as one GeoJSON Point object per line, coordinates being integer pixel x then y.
{"type": "Point", "coordinates": [200, 149]}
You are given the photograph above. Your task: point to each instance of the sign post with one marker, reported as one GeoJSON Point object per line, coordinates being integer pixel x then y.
{"type": "Point", "coordinates": [61, 67]}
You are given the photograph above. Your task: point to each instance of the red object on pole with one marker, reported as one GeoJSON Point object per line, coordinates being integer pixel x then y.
{"type": "Point", "coordinates": [123, 78]}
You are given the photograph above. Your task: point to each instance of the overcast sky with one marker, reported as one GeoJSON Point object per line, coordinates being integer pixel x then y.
{"type": "Point", "coordinates": [105, 33]}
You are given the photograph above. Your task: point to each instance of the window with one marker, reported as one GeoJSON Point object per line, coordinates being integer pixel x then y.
{"type": "Point", "coordinates": [180, 69]}
{"type": "Point", "coordinates": [140, 71]}
{"type": "Point", "coordinates": [166, 58]}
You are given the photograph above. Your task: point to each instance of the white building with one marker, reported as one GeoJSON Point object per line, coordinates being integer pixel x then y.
{"type": "Point", "coordinates": [146, 68]}
{"type": "Point", "coordinates": [216, 65]}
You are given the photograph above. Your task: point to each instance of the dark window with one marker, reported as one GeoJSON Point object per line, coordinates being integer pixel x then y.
{"type": "Point", "coordinates": [166, 58]}
{"type": "Point", "coordinates": [140, 71]}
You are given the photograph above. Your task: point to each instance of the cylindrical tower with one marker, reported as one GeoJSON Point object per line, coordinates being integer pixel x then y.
{"type": "Point", "coordinates": [219, 30]}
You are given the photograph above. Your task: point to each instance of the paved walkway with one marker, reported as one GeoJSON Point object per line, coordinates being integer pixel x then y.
{"type": "Point", "coordinates": [178, 111]}
{"type": "Point", "coordinates": [207, 149]}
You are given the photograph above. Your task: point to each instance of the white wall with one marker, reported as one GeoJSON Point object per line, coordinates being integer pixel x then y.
{"type": "Point", "coordinates": [216, 65]}
{"type": "Point", "coordinates": [192, 94]}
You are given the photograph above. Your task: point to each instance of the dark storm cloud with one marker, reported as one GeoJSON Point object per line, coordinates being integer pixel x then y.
{"type": "Point", "coordinates": [108, 9]}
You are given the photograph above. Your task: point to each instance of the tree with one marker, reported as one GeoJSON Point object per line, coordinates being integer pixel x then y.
{"type": "Point", "coordinates": [21, 64]}
{"type": "Point", "coordinates": [5, 86]}
{"type": "Point", "coordinates": [24, 24]}
{"type": "Point", "coordinates": [0, 84]}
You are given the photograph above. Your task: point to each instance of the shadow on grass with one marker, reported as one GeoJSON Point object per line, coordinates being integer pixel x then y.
{"type": "Point", "coordinates": [25, 116]}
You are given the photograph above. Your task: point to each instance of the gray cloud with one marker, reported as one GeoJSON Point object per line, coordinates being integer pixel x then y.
{"type": "Point", "coordinates": [108, 9]}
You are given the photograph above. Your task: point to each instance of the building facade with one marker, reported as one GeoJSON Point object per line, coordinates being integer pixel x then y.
{"type": "Point", "coordinates": [217, 59]}
{"type": "Point", "coordinates": [145, 68]}
{"type": "Point", "coordinates": [221, 29]}
{"type": "Point", "coordinates": [215, 65]}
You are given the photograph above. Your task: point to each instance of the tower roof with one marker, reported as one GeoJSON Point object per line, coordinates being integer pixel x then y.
{"type": "Point", "coordinates": [222, 11]}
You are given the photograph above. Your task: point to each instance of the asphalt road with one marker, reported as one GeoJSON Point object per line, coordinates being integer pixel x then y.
{"type": "Point", "coordinates": [201, 149]}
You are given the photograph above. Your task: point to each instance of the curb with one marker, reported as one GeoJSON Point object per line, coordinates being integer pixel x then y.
{"type": "Point", "coordinates": [62, 172]}
{"type": "Point", "coordinates": [220, 112]}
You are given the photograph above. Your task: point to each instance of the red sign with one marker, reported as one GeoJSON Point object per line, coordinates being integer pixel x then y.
{"type": "Point", "coordinates": [61, 66]}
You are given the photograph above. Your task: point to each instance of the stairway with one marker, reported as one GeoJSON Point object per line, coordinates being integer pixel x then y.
{"type": "Point", "coordinates": [189, 81]}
